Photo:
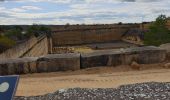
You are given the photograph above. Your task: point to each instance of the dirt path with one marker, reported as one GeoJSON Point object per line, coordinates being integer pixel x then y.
{"type": "Point", "coordinates": [107, 77]}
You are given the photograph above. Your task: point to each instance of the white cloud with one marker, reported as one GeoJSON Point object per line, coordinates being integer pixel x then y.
{"type": "Point", "coordinates": [85, 11]}
{"type": "Point", "coordinates": [31, 8]}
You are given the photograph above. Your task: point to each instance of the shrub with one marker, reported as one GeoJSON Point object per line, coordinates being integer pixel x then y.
{"type": "Point", "coordinates": [158, 33]}
{"type": "Point", "coordinates": [6, 43]}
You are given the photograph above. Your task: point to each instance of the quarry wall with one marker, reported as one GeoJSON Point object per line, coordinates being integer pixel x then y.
{"type": "Point", "coordinates": [38, 49]}
{"type": "Point", "coordinates": [141, 55]}
{"type": "Point", "coordinates": [33, 47]}
{"type": "Point", "coordinates": [167, 48]}
{"type": "Point", "coordinates": [76, 61]}
{"type": "Point", "coordinates": [89, 34]}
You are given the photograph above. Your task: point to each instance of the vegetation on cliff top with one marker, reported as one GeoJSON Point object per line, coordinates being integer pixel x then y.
{"type": "Point", "coordinates": [13, 34]}
{"type": "Point", "coordinates": [6, 43]}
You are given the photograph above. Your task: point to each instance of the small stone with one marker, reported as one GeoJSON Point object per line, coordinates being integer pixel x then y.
{"type": "Point", "coordinates": [135, 66]}
{"type": "Point", "coordinates": [167, 65]}
{"type": "Point", "coordinates": [141, 91]}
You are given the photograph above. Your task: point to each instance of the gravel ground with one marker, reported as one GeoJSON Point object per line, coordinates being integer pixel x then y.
{"type": "Point", "coordinates": [142, 91]}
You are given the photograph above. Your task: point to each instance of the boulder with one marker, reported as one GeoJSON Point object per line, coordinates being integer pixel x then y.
{"type": "Point", "coordinates": [135, 66]}
{"type": "Point", "coordinates": [167, 65]}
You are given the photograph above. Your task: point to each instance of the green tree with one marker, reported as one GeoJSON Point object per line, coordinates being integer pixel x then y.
{"type": "Point", "coordinates": [15, 32]}
{"type": "Point", "coordinates": [158, 32]}
{"type": "Point", "coordinates": [32, 29]}
{"type": "Point", "coordinates": [6, 43]}
{"type": "Point", "coordinates": [37, 30]}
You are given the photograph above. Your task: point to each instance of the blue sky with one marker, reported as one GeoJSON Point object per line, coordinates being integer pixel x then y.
{"type": "Point", "coordinates": [81, 11]}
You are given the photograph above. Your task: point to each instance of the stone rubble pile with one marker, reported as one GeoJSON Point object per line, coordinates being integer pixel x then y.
{"type": "Point", "coordinates": [141, 91]}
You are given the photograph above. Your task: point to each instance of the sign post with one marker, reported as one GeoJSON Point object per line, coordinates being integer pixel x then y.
{"type": "Point", "coordinates": [8, 86]}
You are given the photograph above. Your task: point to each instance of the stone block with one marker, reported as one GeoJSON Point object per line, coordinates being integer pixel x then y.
{"type": "Point", "coordinates": [53, 66]}
{"type": "Point", "coordinates": [42, 66]}
{"type": "Point", "coordinates": [141, 55]}
{"type": "Point", "coordinates": [152, 56]}
{"type": "Point", "coordinates": [167, 48]}
{"type": "Point", "coordinates": [60, 62]}
{"type": "Point", "coordinates": [16, 66]}
{"type": "Point", "coordinates": [22, 68]}
{"type": "Point", "coordinates": [11, 68]}
{"type": "Point", "coordinates": [3, 69]}
{"type": "Point", "coordinates": [116, 59]}
{"type": "Point", "coordinates": [32, 67]}
{"type": "Point", "coordinates": [93, 60]}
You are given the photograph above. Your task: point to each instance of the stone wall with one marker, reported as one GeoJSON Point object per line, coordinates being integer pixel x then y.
{"type": "Point", "coordinates": [39, 49]}
{"type": "Point", "coordinates": [59, 62]}
{"type": "Point", "coordinates": [18, 50]}
{"type": "Point", "coordinates": [94, 27]}
{"type": "Point", "coordinates": [142, 55]}
{"type": "Point", "coordinates": [93, 34]}
{"type": "Point", "coordinates": [76, 61]}
{"type": "Point", "coordinates": [33, 47]}
{"type": "Point", "coordinates": [167, 48]}
{"type": "Point", "coordinates": [48, 63]}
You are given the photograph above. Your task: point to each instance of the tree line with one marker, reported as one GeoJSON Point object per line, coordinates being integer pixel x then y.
{"type": "Point", "coordinates": [13, 34]}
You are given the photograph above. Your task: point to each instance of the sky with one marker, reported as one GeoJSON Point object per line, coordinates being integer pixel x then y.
{"type": "Point", "coordinates": [61, 12]}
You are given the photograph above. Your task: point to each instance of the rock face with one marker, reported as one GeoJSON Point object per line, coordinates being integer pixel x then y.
{"type": "Point", "coordinates": [167, 48]}
{"type": "Point", "coordinates": [142, 91]}
{"type": "Point", "coordinates": [75, 61]}
{"type": "Point", "coordinates": [59, 62]}
{"type": "Point", "coordinates": [17, 66]}
{"type": "Point", "coordinates": [142, 55]}
{"type": "Point", "coordinates": [49, 63]}
{"type": "Point", "coordinates": [93, 60]}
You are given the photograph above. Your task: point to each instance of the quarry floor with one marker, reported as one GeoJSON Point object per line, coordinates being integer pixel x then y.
{"type": "Point", "coordinates": [101, 77]}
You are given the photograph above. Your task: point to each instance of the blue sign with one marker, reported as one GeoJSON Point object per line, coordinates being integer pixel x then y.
{"type": "Point", "coordinates": [8, 85]}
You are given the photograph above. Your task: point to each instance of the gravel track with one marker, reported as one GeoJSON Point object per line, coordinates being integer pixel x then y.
{"type": "Point", "coordinates": [140, 91]}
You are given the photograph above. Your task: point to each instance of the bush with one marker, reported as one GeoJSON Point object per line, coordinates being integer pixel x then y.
{"type": "Point", "coordinates": [156, 39]}
{"type": "Point", "coordinates": [14, 32]}
{"type": "Point", "coordinates": [158, 33]}
{"type": "Point", "coordinates": [37, 30]}
{"type": "Point", "coordinates": [6, 43]}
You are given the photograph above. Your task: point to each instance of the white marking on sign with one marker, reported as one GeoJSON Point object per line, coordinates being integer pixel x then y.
{"type": "Point", "coordinates": [4, 87]}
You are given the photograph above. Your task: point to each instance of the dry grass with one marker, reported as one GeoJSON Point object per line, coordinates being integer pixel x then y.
{"type": "Point", "coordinates": [83, 49]}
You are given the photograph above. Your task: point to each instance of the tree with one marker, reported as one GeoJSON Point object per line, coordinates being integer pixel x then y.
{"type": "Point", "coordinates": [38, 30]}
{"type": "Point", "coordinates": [161, 20]}
{"type": "Point", "coordinates": [67, 25]}
{"type": "Point", "coordinates": [6, 43]}
{"type": "Point", "coordinates": [120, 23]}
{"type": "Point", "coordinates": [158, 32]}
{"type": "Point", "coordinates": [15, 33]}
